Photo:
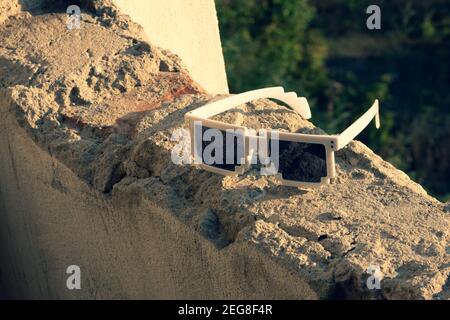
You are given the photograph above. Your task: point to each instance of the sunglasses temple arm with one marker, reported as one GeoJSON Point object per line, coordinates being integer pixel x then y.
{"type": "Point", "coordinates": [298, 104]}
{"type": "Point", "coordinates": [359, 125]}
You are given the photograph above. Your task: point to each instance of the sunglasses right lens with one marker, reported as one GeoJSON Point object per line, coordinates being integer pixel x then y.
{"type": "Point", "coordinates": [301, 161]}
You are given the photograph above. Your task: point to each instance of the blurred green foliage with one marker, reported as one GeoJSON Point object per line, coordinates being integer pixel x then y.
{"type": "Point", "coordinates": [322, 50]}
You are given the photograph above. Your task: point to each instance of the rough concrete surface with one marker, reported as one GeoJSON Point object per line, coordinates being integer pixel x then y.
{"type": "Point", "coordinates": [87, 178]}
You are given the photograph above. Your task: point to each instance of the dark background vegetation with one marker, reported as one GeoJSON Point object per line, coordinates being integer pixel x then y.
{"type": "Point", "coordinates": [324, 51]}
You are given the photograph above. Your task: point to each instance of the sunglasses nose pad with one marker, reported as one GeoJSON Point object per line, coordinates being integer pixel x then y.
{"type": "Point", "coordinates": [251, 146]}
{"type": "Point", "coordinates": [250, 155]}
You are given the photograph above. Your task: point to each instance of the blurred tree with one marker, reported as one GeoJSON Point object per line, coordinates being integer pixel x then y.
{"type": "Point", "coordinates": [267, 42]}
{"type": "Point", "coordinates": [323, 50]}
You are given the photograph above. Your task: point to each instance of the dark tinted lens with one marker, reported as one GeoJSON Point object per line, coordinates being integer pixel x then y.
{"type": "Point", "coordinates": [300, 161]}
{"type": "Point", "coordinates": [227, 152]}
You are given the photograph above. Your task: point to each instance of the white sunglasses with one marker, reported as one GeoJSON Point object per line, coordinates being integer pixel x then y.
{"type": "Point", "coordinates": [304, 160]}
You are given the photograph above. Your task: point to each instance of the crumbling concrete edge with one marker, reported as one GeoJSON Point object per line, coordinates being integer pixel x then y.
{"type": "Point", "coordinates": [76, 224]}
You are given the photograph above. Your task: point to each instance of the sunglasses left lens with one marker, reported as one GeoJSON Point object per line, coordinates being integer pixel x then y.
{"type": "Point", "coordinates": [222, 149]}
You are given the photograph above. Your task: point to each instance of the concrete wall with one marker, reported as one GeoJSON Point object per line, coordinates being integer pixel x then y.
{"type": "Point", "coordinates": [125, 248]}
{"type": "Point", "coordinates": [50, 219]}
{"type": "Point", "coordinates": [188, 28]}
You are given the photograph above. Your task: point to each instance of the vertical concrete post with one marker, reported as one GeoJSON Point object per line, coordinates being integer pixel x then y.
{"type": "Point", "coordinates": [188, 28]}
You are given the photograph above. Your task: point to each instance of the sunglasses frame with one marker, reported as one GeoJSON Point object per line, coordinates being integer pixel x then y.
{"type": "Point", "coordinates": [300, 105]}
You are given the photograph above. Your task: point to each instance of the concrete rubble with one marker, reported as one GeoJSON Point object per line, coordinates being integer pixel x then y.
{"type": "Point", "coordinates": [103, 102]}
